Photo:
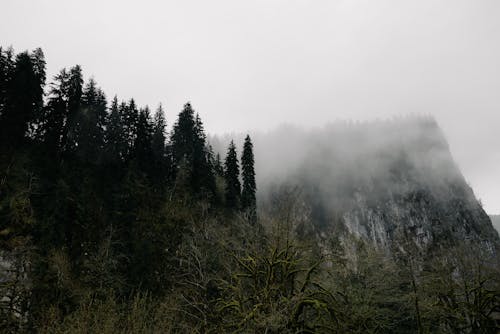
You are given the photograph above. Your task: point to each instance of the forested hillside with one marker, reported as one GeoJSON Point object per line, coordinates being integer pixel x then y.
{"type": "Point", "coordinates": [111, 224]}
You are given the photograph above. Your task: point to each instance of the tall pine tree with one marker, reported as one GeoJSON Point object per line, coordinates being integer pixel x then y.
{"type": "Point", "coordinates": [232, 176]}
{"type": "Point", "coordinates": [189, 150]}
{"type": "Point", "coordinates": [116, 145]}
{"type": "Point", "coordinates": [23, 100]}
{"type": "Point", "coordinates": [248, 201]}
{"type": "Point", "coordinates": [160, 164]}
{"type": "Point", "coordinates": [92, 121]}
{"type": "Point", "coordinates": [142, 145]}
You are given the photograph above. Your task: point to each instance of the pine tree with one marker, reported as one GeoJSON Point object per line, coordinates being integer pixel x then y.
{"type": "Point", "coordinates": [142, 143]}
{"type": "Point", "coordinates": [183, 136]}
{"type": "Point", "coordinates": [6, 71]}
{"type": "Point", "coordinates": [130, 116]}
{"type": "Point", "coordinates": [116, 145]}
{"type": "Point", "coordinates": [159, 156]}
{"type": "Point", "coordinates": [248, 201]}
{"type": "Point", "coordinates": [203, 178]}
{"type": "Point", "coordinates": [23, 100]}
{"type": "Point", "coordinates": [232, 174]}
{"type": "Point", "coordinates": [55, 115]}
{"type": "Point", "coordinates": [73, 90]}
{"type": "Point", "coordinates": [189, 149]}
{"type": "Point", "coordinates": [92, 120]}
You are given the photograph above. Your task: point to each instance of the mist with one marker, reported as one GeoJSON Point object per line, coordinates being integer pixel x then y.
{"type": "Point", "coordinates": [342, 157]}
{"type": "Point", "coordinates": [251, 66]}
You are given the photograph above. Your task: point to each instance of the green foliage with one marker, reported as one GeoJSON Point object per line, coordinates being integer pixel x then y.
{"type": "Point", "coordinates": [275, 292]}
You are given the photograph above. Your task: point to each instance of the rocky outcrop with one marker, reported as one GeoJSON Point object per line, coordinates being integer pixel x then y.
{"type": "Point", "coordinates": [385, 182]}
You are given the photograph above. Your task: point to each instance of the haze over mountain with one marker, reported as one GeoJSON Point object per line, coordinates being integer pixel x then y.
{"type": "Point", "coordinates": [252, 65]}
{"type": "Point", "coordinates": [373, 178]}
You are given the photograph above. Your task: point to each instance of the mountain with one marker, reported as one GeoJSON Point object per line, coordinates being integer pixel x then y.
{"type": "Point", "coordinates": [386, 182]}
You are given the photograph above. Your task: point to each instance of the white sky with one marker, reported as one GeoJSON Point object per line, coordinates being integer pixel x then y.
{"type": "Point", "coordinates": [254, 64]}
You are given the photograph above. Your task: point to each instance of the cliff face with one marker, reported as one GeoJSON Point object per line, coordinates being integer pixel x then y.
{"type": "Point", "coordinates": [386, 182]}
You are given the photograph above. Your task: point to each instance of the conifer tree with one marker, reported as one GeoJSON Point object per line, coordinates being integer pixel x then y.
{"type": "Point", "coordinates": [248, 201]}
{"type": "Point", "coordinates": [73, 90]}
{"type": "Point", "coordinates": [203, 178]}
{"type": "Point", "coordinates": [232, 174]}
{"type": "Point", "coordinates": [116, 145]}
{"type": "Point", "coordinates": [130, 116]}
{"type": "Point", "coordinates": [183, 135]}
{"type": "Point", "coordinates": [55, 115]}
{"type": "Point", "coordinates": [6, 71]}
{"type": "Point", "coordinates": [189, 149]}
{"type": "Point", "coordinates": [23, 100]}
{"type": "Point", "coordinates": [142, 143]}
{"type": "Point", "coordinates": [91, 119]}
{"type": "Point", "coordinates": [158, 140]}
{"type": "Point", "coordinates": [159, 152]}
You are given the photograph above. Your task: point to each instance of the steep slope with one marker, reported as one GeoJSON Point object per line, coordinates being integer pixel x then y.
{"type": "Point", "coordinates": [388, 182]}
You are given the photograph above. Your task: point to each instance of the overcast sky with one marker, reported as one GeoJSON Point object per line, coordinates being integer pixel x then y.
{"type": "Point", "coordinates": [254, 64]}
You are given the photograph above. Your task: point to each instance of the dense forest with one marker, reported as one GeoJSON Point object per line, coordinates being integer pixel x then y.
{"type": "Point", "coordinates": [109, 223]}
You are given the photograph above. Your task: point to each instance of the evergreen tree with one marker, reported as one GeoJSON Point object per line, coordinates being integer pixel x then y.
{"type": "Point", "coordinates": [232, 174]}
{"type": "Point", "coordinates": [116, 145]}
{"type": "Point", "coordinates": [159, 163]}
{"type": "Point", "coordinates": [183, 136]}
{"type": "Point", "coordinates": [158, 141]}
{"type": "Point", "coordinates": [142, 143]}
{"type": "Point", "coordinates": [130, 116]}
{"type": "Point", "coordinates": [189, 149]}
{"type": "Point", "coordinates": [6, 71]}
{"type": "Point", "coordinates": [55, 115]}
{"type": "Point", "coordinates": [203, 178]}
{"type": "Point", "coordinates": [91, 119]}
{"type": "Point", "coordinates": [248, 201]}
{"type": "Point", "coordinates": [23, 100]}
{"type": "Point", "coordinates": [72, 89]}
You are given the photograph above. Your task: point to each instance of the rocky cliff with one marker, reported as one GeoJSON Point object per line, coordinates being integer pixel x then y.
{"type": "Point", "coordinates": [387, 182]}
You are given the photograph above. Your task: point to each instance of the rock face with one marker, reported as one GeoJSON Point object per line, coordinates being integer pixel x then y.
{"type": "Point", "coordinates": [385, 182]}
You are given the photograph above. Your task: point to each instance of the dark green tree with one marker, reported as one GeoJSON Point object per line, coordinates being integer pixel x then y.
{"type": "Point", "coordinates": [203, 177]}
{"type": "Point", "coordinates": [183, 136]}
{"type": "Point", "coordinates": [72, 89]}
{"type": "Point", "coordinates": [55, 113]}
{"type": "Point", "coordinates": [189, 149]}
{"type": "Point", "coordinates": [23, 100]}
{"type": "Point", "coordinates": [130, 116]}
{"type": "Point", "coordinates": [116, 145]}
{"type": "Point", "coordinates": [248, 201]}
{"type": "Point", "coordinates": [143, 152]}
{"type": "Point", "coordinates": [6, 71]}
{"type": "Point", "coordinates": [160, 164]}
{"type": "Point", "coordinates": [232, 176]}
{"type": "Point", "coordinates": [92, 122]}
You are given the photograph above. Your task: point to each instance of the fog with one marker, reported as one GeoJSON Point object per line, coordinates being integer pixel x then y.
{"type": "Point", "coordinates": [377, 158]}
{"type": "Point", "coordinates": [249, 66]}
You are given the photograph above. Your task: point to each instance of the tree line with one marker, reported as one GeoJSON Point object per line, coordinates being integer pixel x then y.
{"type": "Point", "coordinates": [80, 174]}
